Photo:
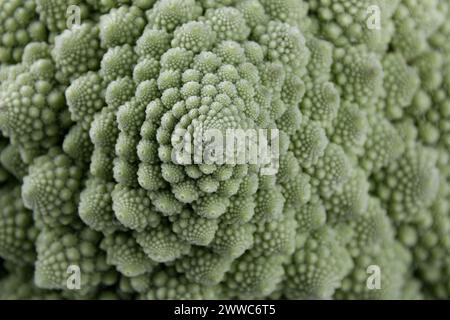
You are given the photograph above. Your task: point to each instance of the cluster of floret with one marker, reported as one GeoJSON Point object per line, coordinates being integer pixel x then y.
{"type": "Point", "coordinates": [92, 114]}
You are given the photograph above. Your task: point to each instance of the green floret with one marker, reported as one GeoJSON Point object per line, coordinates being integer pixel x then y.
{"type": "Point", "coordinates": [321, 103]}
{"type": "Point", "coordinates": [168, 284]}
{"type": "Point", "coordinates": [77, 144]}
{"type": "Point", "coordinates": [194, 36]}
{"type": "Point", "coordinates": [119, 91]}
{"type": "Point", "coordinates": [383, 145]}
{"type": "Point", "coordinates": [150, 178]}
{"type": "Point", "coordinates": [117, 63]}
{"type": "Point", "coordinates": [276, 236]}
{"type": "Point", "coordinates": [321, 59]}
{"type": "Point", "coordinates": [11, 161]}
{"type": "Point", "coordinates": [253, 12]}
{"type": "Point", "coordinates": [293, 90]}
{"type": "Point", "coordinates": [429, 66]}
{"type": "Point", "coordinates": [233, 240]}
{"type": "Point", "coordinates": [358, 74]}
{"type": "Point", "coordinates": [130, 116]}
{"type": "Point", "coordinates": [211, 206]}
{"type": "Point", "coordinates": [350, 200]}
{"type": "Point", "coordinates": [19, 284]}
{"type": "Point", "coordinates": [95, 208]}
{"type": "Point", "coordinates": [121, 26]}
{"type": "Point", "coordinates": [350, 128]}
{"type": "Point", "coordinates": [290, 121]}
{"type": "Point", "coordinates": [228, 23]}
{"type": "Point", "coordinates": [31, 108]}
{"type": "Point", "coordinates": [393, 260]}
{"type": "Point", "coordinates": [428, 241]}
{"type": "Point", "coordinates": [85, 98]}
{"type": "Point", "coordinates": [346, 22]}
{"type": "Point", "coordinates": [103, 133]}
{"type": "Point", "coordinates": [162, 244]}
{"type": "Point", "coordinates": [166, 203]}
{"type": "Point", "coordinates": [290, 11]}
{"type": "Point", "coordinates": [285, 43]}
{"type": "Point", "coordinates": [77, 51]}
{"type": "Point", "coordinates": [400, 83]}
{"type": "Point", "coordinates": [146, 69]}
{"type": "Point", "coordinates": [61, 248]}
{"type": "Point", "coordinates": [318, 268]}
{"type": "Point", "coordinates": [19, 26]}
{"type": "Point", "coordinates": [17, 230]}
{"type": "Point", "coordinates": [415, 21]}
{"type": "Point", "coordinates": [289, 167]}
{"type": "Point", "coordinates": [253, 276]}
{"type": "Point", "coordinates": [53, 13]}
{"type": "Point", "coordinates": [297, 190]}
{"type": "Point", "coordinates": [52, 189]}
{"type": "Point", "coordinates": [132, 207]}
{"type": "Point", "coordinates": [412, 184]}
{"type": "Point", "coordinates": [203, 267]}
{"type": "Point", "coordinates": [194, 229]}
{"type": "Point", "coordinates": [106, 5]}
{"type": "Point", "coordinates": [153, 43]}
{"type": "Point", "coordinates": [331, 171]}
{"type": "Point", "coordinates": [309, 217]}
{"type": "Point", "coordinates": [168, 14]}
{"type": "Point", "coordinates": [369, 229]}
{"type": "Point", "coordinates": [126, 255]}
{"type": "Point", "coordinates": [309, 143]}
{"type": "Point", "coordinates": [269, 202]}
{"type": "Point", "coordinates": [240, 210]}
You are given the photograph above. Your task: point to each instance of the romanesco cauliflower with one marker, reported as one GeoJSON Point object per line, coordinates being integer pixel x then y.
{"type": "Point", "coordinates": [91, 115]}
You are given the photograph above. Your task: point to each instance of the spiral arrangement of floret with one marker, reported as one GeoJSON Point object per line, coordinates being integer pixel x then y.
{"type": "Point", "coordinates": [108, 161]}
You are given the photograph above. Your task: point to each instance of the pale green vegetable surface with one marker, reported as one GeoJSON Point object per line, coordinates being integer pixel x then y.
{"type": "Point", "coordinates": [359, 91]}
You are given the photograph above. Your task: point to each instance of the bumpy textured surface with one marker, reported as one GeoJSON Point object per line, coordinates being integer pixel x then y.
{"type": "Point", "coordinates": [92, 115]}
